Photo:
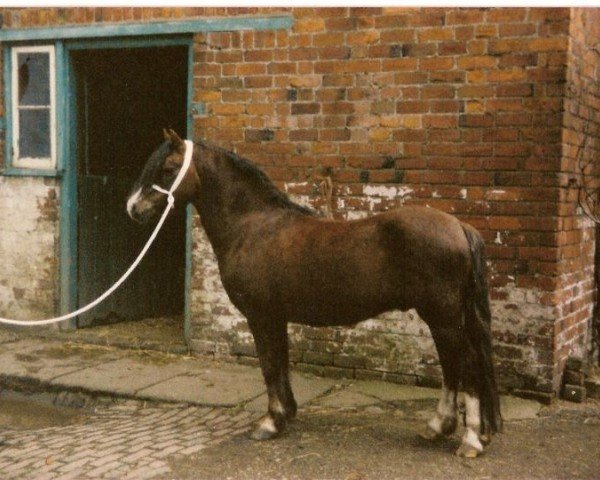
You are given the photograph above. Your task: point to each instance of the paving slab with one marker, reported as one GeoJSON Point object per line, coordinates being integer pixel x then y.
{"type": "Point", "coordinates": [515, 408]}
{"type": "Point", "coordinates": [43, 360]}
{"type": "Point", "coordinates": [512, 408]}
{"type": "Point", "coordinates": [222, 385]}
{"type": "Point", "coordinates": [347, 399]}
{"type": "Point", "coordinates": [306, 388]}
{"type": "Point", "coordinates": [124, 376]}
{"type": "Point", "coordinates": [392, 392]}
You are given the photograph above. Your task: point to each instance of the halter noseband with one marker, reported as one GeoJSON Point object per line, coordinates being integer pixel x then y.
{"type": "Point", "coordinates": [187, 160]}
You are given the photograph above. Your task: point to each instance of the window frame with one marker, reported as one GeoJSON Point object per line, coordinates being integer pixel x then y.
{"type": "Point", "coordinates": [48, 164]}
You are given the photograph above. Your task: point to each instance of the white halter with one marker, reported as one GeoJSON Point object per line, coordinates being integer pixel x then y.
{"type": "Point", "coordinates": [187, 159]}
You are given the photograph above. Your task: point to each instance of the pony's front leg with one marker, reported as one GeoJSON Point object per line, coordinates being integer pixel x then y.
{"type": "Point", "coordinates": [272, 346]}
{"type": "Point", "coordinates": [448, 345]}
{"type": "Point", "coordinates": [444, 422]}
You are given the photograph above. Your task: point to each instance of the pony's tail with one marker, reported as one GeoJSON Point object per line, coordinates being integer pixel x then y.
{"type": "Point", "coordinates": [479, 336]}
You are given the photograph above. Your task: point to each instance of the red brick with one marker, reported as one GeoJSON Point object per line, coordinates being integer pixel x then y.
{"type": "Point", "coordinates": [486, 31]}
{"type": "Point", "coordinates": [328, 39]}
{"type": "Point", "coordinates": [452, 48]}
{"type": "Point", "coordinates": [437, 91]}
{"type": "Point", "coordinates": [549, 14]}
{"type": "Point", "coordinates": [437, 34]}
{"type": "Point", "coordinates": [244, 69]}
{"type": "Point", "coordinates": [451, 76]}
{"type": "Point", "coordinates": [340, 23]}
{"type": "Point", "coordinates": [506, 15]}
{"type": "Point", "coordinates": [396, 64]}
{"type": "Point", "coordinates": [339, 53]}
{"type": "Point", "coordinates": [476, 62]}
{"type": "Point", "coordinates": [440, 121]}
{"type": "Point", "coordinates": [465, 16]}
{"type": "Point", "coordinates": [309, 24]}
{"type": "Point", "coordinates": [515, 74]}
{"type": "Point", "coordinates": [475, 91]}
{"type": "Point", "coordinates": [441, 63]}
{"type": "Point", "coordinates": [397, 34]}
{"type": "Point", "coordinates": [515, 90]}
{"type": "Point", "coordinates": [426, 18]}
{"type": "Point", "coordinates": [258, 81]}
{"type": "Point", "coordinates": [516, 29]}
{"type": "Point", "coordinates": [363, 37]}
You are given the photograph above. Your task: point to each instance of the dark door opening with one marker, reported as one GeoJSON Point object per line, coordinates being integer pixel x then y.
{"type": "Point", "coordinates": [123, 99]}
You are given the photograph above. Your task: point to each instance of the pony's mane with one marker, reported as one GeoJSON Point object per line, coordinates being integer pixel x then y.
{"type": "Point", "coordinates": [257, 178]}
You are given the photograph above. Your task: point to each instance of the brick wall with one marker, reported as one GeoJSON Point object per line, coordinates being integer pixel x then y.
{"type": "Point", "coordinates": [466, 110]}
{"type": "Point", "coordinates": [576, 291]}
{"type": "Point", "coordinates": [459, 109]}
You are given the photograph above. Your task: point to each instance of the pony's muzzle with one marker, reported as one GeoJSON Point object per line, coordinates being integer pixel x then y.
{"type": "Point", "coordinates": [140, 208]}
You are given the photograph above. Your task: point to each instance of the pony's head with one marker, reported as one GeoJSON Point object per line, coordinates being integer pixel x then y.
{"type": "Point", "coordinates": [145, 203]}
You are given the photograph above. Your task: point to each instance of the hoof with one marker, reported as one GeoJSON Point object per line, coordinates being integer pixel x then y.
{"type": "Point", "coordinates": [266, 430]}
{"type": "Point", "coordinates": [468, 451]}
{"type": "Point", "coordinates": [439, 427]}
{"type": "Point", "coordinates": [429, 434]}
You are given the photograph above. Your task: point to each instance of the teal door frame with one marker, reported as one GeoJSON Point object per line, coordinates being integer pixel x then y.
{"type": "Point", "coordinates": [69, 195]}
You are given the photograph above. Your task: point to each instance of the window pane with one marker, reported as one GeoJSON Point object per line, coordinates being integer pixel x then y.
{"type": "Point", "coordinates": [34, 133]}
{"type": "Point", "coordinates": [34, 78]}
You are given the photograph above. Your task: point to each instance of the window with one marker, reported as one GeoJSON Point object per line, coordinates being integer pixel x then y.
{"type": "Point", "coordinates": [33, 107]}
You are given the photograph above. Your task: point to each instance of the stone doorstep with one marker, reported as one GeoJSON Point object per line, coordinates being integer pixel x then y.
{"type": "Point", "coordinates": [35, 364]}
{"type": "Point", "coordinates": [48, 365]}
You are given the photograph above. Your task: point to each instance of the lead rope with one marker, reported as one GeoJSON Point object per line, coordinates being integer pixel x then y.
{"type": "Point", "coordinates": [187, 160]}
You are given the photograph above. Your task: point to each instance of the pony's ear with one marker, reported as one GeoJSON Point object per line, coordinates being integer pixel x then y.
{"type": "Point", "coordinates": [176, 142]}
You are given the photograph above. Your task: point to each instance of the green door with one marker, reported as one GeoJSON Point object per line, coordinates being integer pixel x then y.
{"type": "Point", "coordinates": [124, 98]}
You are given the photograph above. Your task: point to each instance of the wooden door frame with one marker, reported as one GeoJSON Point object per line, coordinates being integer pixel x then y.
{"type": "Point", "coordinates": [69, 192]}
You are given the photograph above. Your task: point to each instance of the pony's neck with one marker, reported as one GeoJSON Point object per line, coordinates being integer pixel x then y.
{"type": "Point", "coordinates": [230, 189]}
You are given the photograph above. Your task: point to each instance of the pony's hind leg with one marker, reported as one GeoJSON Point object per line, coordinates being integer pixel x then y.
{"type": "Point", "coordinates": [444, 421]}
{"type": "Point", "coordinates": [475, 437]}
{"type": "Point", "coordinates": [272, 348]}
{"type": "Point", "coordinates": [471, 445]}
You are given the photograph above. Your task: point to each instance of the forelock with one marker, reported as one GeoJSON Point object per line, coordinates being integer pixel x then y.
{"type": "Point", "coordinates": [154, 164]}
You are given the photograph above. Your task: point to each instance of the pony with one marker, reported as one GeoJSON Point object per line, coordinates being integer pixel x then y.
{"type": "Point", "coordinates": [280, 262]}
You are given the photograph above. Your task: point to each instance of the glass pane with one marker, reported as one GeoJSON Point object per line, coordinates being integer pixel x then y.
{"type": "Point", "coordinates": [34, 78]}
{"type": "Point", "coordinates": [34, 133]}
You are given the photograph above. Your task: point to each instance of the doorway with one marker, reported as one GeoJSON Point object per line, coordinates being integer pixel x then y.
{"type": "Point", "coordinates": [122, 99]}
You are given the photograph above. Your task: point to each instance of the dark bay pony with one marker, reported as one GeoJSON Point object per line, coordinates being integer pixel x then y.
{"type": "Point", "coordinates": [280, 262]}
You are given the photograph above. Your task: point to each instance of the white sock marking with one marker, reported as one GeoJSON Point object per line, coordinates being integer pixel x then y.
{"type": "Point", "coordinates": [472, 439]}
{"type": "Point", "coordinates": [446, 409]}
{"type": "Point", "coordinates": [473, 420]}
{"type": "Point", "coordinates": [435, 424]}
{"type": "Point", "coordinates": [268, 424]}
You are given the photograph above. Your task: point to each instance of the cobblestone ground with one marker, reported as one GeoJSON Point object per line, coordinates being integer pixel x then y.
{"type": "Point", "coordinates": [130, 440]}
